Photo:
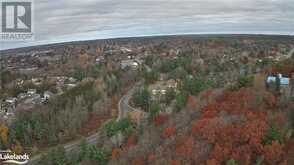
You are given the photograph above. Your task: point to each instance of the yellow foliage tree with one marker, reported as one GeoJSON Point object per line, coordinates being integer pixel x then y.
{"type": "Point", "coordinates": [4, 134]}
{"type": "Point", "coordinates": [17, 148]}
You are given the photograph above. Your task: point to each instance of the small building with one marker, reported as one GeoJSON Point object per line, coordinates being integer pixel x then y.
{"type": "Point", "coordinates": [292, 85]}
{"type": "Point", "coordinates": [37, 81]}
{"type": "Point", "coordinates": [11, 100]}
{"type": "Point", "coordinates": [284, 81]}
{"type": "Point", "coordinates": [284, 84]}
{"type": "Point", "coordinates": [47, 95]}
{"type": "Point", "coordinates": [33, 99]}
{"type": "Point", "coordinates": [22, 95]}
{"type": "Point", "coordinates": [99, 60]}
{"type": "Point", "coordinates": [19, 82]}
{"type": "Point", "coordinates": [129, 63]}
{"type": "Point", "coordinates": [70, 85]}
{"type": "Point", "coordinates": [9, 105]}
{"type": "Point", "coordinates": [158, 91]}
{"type": "Point", "coordinates": [125, 50]}
{"type": "Point", "coordinates": [71, 80]}
{"type": "Point", "coordinates": [172, 83]}
{"type": "Point", "coordinates": [160, 88]}
{"type": "Point", "coordinates": [32, 91]}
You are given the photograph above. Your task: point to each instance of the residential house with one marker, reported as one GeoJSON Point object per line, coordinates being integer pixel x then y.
{"type": "Point", "coordinates": [32, 91]}
{"type": "Point", "coordinates": [172, 83]}
{"type": "Point", "coordinates": [125, 50]}
{"type": "Point", "coordinates": [11, 102]}
{"type": "Point", "coordinates": [37, 81]}
{"type": "Point", "coordinates": [19, 82]}
{"type": "Point", "coordinates": [292, 85]}
{"type": "Point", "coordinates": [284, 84]}
{"type": "Point", "coordinates": [99, 60]}
{"type": "Point", "coordinates": [70, 82]}
{"type": "Point", "coordinates": [47, 95]}
{"type": "Point", "coordinates": [160, 88]}
{"type": "Point", "coordinates": [22, 96]}
{"type": "Point", "coordinates": [30, 97]}
{"type": "Point", "coordinates": [8, 106]}
{"type": "Point", "coordinates": [129, 63]}
{"type": "Point", "coordinates": [33, 99]}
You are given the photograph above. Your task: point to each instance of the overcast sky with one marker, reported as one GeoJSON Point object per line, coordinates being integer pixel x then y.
{"type": "Point", "coordinates": [68, 20]}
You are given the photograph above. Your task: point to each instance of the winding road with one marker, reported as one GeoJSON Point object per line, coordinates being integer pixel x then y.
{"type": "Point", "coordinates": [123, 108]}
{"type": "Point", "coordinates": [123, 104]}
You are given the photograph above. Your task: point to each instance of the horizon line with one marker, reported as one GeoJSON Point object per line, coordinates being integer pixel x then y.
{"type": "Point", "coordinates": [48, 42]}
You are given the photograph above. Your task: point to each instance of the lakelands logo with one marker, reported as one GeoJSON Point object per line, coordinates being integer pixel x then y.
{"type": "Point", "coordinates": [12, 158]}
{"type": "Point", "coordinates": [17, 20]}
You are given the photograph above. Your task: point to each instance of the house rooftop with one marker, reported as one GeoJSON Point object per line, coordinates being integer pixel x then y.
{"type": "Point", "coordinates": [283, 80]}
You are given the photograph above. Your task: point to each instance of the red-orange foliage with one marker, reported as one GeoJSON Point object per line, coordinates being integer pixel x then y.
{"type": "Point", "coordinates": [160, 119]}
{"type": "Point", "coordinates": [237, 140]}
{"type": "Point", "coordinates": [175, 162]}
{"type": "Point", "coordinates": [151, 157]}
{"type": "Point", "coordinates": [274, 70]}
{"type": "Point", "coordinates": [212, 162]}
{"type": "Point", "coordinates": [130, 141]}
{"type": "Point", "coordinates": [274, 153]}
{"type": "Point", "coordinates": [206, 94]}
{"type": "Point", "coordinates": [191, 102]}
{"type": "Point", "coordinates": [138, 161]}
{"type": "Point", "coordinates": [168, 132]}
{"type": "Point", "coordinates": [285, 69]}
{"type": "Point", "coordinates": [184, 147]}
{"type": "Point", "coordinates": [199, 125]}
{"type": "Point", "coordinates": [115, 153]}
{"type": "Point", "coordinates": [221, 152]}
{"type": "Point", "coordinates": [234, 127]}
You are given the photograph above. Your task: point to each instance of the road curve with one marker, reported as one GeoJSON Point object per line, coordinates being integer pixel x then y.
{"type": "Point", "coordinates": [123, 104]}
{"type": "Point", "coordinates": [123, 108]}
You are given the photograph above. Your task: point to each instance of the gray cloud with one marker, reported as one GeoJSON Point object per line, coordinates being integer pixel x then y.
{"type": "Point", "coordinates": [64, 20]}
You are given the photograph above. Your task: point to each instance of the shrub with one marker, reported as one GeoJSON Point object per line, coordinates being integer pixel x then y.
{"type": "Point", "coordinates": [168, 132]}
{"type": "Point", "coordinates": [273, 134]}
{"type": "Point", "coordinates": [231, 162]}
{"type": "Point", "coordinates": [245, 81]}
{"type": "Point", "coordinates": [160, 119]}
{"type": "Point", "coordinates": [79, 74]}
{"type": "Point", "coordinates": [154, 110]}
{"type": "Point", "coordinates": [170, 95]}
{"type": "Point", "coordinates": [115, 153]}
{"type": "Point", "coordinates": [113, 127]}
{"type": "Point", "coordinates": [181, 100]}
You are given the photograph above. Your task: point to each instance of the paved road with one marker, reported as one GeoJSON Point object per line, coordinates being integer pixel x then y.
{"type": "Point", "coordinates": [123, 104]}
{"type": "Point", "coordinates": [123, 108]}
{"type": "Point", "coordinates": [291, 53]}
{"type": "Point", "coordinates": [91, 140]}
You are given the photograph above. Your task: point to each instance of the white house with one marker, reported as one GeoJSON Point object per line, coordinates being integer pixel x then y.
{"type": "Point", "coordinates": [48, 95]}
{"type": "Point", "coordinates": [129, 63]}
{"type": "Point", "coordinates": [32, 91]}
